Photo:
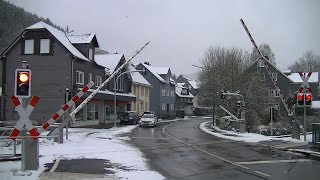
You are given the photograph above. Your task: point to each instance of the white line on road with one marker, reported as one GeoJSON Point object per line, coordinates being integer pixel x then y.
{"type": "Point", "coordinates": [54, 167]}
{"type": "Point", "coordinates": [275, 161]}
{"type": "Point", "coordinates": [213, 155]}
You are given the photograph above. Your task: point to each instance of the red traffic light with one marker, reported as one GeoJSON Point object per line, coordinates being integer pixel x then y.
{"type": "Point", "coordinates": [308, 99]}
{"type": "Point", "coordinates": [24, 77]}
{"type": "Point", "coordinates": [300, 99]}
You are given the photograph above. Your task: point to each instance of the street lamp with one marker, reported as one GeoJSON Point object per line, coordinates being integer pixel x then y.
{"type": "Point", "coordinates": [115, 94]}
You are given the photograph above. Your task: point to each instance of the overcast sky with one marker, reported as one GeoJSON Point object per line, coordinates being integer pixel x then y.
{"type": "Point", "coordinates": [181, 30]}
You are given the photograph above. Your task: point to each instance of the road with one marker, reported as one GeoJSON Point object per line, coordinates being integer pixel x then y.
{"type": "Point", "coordinates": [180, 150]}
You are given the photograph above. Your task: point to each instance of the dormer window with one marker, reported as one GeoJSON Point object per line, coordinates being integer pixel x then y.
{"type": "Point", "coordinates": [29, 46]}
{"type": "Point", "coordinates": [44, 46]}
{"type": "Point", "coordinates": [90, 54]}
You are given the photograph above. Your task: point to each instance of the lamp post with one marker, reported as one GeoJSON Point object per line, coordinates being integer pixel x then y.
{"type": "Point", "coordinates": [115, 94]}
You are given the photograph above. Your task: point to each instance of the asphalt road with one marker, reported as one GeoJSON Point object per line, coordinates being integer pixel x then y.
{"type": "Point", "coordinates": [180, 150]}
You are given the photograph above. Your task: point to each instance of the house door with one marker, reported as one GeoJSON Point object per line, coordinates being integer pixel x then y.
{"type": "Point", "coordinates": [168, 106]}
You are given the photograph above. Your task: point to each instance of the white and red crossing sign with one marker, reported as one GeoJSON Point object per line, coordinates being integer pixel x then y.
{"type": "Point", "coordinates": [305, 83]}
{"type": "Point", "coordinates": [24, 117]}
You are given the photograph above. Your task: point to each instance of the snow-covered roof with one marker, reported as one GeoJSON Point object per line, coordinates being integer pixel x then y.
{"type": "Point", "coordinates": [193, 83]}
{"type": "Point", "coordinates": [161, 70]}
{"type": "Point", "coordinates": [179, 87]}
{"type": "Point", "coordinates": [315, 104]}
{"type": "Point", "coordinates": [61, 37]}
{"type": "Point", "coordinates": [81, 39]}
{"type": "Point", "coordinates": [154, 72]}
{"type": "Point", "coordinates": [172, 81]}
{"type": "Point", "coordinates": [109, 61]}
{"type": "Point", "coordinates": [295, 77]}
{"type": "Point", "coordinates": [137, 78]}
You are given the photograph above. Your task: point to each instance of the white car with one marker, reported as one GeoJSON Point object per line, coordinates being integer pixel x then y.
{"type": "Point", "coordinates": [148, 120]}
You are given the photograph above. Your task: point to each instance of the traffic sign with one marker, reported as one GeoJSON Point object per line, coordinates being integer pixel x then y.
{"type": "Point", "coordinates": [305, 83]}
{"type": "Point", "coordinates": [24, 117]}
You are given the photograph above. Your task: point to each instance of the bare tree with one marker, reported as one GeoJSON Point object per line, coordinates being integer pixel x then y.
{"type": "Point", "coordinates": [309, 61]}
{"type": "Point", "coordinates": [266, 51]}
{"type": "Point", "coordinates": [229, 69]}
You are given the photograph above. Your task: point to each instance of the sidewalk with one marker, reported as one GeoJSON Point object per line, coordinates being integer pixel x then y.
{"type": "Point", "coordinates": [278, 142]}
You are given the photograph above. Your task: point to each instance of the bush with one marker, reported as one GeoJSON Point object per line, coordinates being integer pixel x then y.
{"type": "Point", "coordinates": [166, 115]}
{"type": "Point", "coordinates": [180, 113]}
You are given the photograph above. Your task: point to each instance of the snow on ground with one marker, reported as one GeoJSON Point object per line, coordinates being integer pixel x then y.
{"type": "Point", "coordinates": [249, 137]}
{"type": "Point", "coordinates": [87, 143]}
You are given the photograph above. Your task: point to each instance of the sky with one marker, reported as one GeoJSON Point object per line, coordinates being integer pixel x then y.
{"type": "Point", "coordinates": [180, 31]}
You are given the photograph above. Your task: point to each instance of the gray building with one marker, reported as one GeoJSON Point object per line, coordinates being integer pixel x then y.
{"type": "Point", "coordinates": [287, 86]}
{"type": "Point", "coordinates": [59, 63]}
{"type": "Point", "coordinates": [162, 93]}
{"type": "Point", "coordinates": [184, 99]}
{"type": "Point", "coordinates": [192, 86]}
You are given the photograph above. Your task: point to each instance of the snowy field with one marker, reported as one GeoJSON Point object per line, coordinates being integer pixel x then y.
{"type": "Point", "coordinates": [249, 137]}
{"type": "Point", "coordinates": [87, 143]}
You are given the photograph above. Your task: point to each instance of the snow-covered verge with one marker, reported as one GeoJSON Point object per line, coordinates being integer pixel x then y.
{"type": "Point", "coordinates": [87, 143]}
{"type": "Point", "coordinates": [247, 137]}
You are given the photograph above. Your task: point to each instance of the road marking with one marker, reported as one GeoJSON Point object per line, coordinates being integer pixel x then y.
{"type": "Point", "coordinates": [258, 173]}
{"type": "Point", "coordinates": [275, 161]}
{"type": "Point", "coordinates": [148, 138]}
{"type": "Point", "coordinates": [54, 167]}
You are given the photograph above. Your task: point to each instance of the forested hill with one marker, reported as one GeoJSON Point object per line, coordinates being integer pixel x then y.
{"type": "Point", "coordinates": [13, 20]}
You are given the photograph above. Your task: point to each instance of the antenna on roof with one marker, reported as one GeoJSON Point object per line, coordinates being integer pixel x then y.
{"type": "Point", "coordinates": [67, 31]}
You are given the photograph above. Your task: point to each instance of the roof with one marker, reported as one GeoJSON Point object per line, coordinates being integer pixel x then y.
{"type": "Point", "coordinates": [179, 88]}
{"type": "Point", "coordinates": [154, 72]}
{"type": "Point", "coordinates": [315, 104]}
{"type": "Point", "coordinates": [161, 70]}
{"type": "Point", "coordinates": [275, 68]}
{"type": "Point", "coordinates": [109, 61]}
{"type": "Point", "coordinates": [61, 37]}
{"type": "Point", "coordinates": [192, 83]}
{"type": "Point", "coordinates": [137, 78]}
{"type": "Point", "coordinates": [172, 81]}
{"type": "Point", "coordinates": [81, 39]}
{"type": "Point", "coordinates": [295, 77]}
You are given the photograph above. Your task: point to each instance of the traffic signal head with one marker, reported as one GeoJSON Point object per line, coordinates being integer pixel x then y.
{"type": "Point", "coordinates": [300, 99]}
{"type": "Point", "coordinates": [22, 83]}
{"type": "Point", "coordinates": [308, 99]}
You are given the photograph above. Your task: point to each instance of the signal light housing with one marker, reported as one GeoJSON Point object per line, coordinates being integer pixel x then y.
{"type": "Point", "coordinates": [308, 99]}
{"type": "Point", "coordinates": [300, 99]}
{"type": "Point", "coordinates": [22, 83]}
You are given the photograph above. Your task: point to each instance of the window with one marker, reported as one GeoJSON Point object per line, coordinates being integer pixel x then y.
{"type": "Point", "coordinates": [29, 46]}
{"type": "Point", "coordinates": [262, 77]}
{"type": "Point", "coordinates": [98, 81]}
{"type": "Point", "coordinates": [172, 93]}
{"type": "Point", "coordinates": [120, 83]}
{"type": "Point", "coordinates": [89, 77]}
{"type": "Point", "coordinates": [261, 63]}
{"type": "Point", "coordinates": [146, 106]}
{"type": "Point", "coordinates": [44, 46]}
{"type": "Point", "coordinates": [172, 106]}
{"type": "Point", "coordinates": [163, 106]}
{"type": "Point", "coordinates": [79, 77]}
{"type": "Point", "coordinates": [274, 76]}
{"type": "Point", "coordinates": [90, 54]}
{"type": "Point", "coordinates": [133, 90]}
{"type": "Point", "coordinates": [168, 92]}
{"type": "Point", "coordinates": [163, 92]}
{"type": "Point", "coordinates": [274, 93]}
{"type": "Point", "coordinates": [142, 91]}
{"type": "Point", "coordinates": [141, 106]}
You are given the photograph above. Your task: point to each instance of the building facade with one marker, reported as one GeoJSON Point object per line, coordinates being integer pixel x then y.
{"type": "Point", "coordinates": [162, 94]}
{"type": "Point", "coordinates": [60, 64]}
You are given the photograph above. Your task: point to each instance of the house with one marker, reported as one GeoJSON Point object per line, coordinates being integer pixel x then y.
{"type": "Point", "coordinates": [184, 99]}
{"type": "Point", "coordinates": [60, 64]}
{"type": "Point", "coordinates": [162, 94]}
{"type": "Point", "coordinates": [141, 89]}
{"type": "Point", "coordinates": [192, 85]}
{"type": "Point", "coordinates": [288, 82]}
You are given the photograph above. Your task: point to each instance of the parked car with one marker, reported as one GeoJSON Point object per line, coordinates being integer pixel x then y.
{"type": "Point", "coordinates": [148, 120]}
{"type": "Point", "coordinates": [129, 117]}
{"type": "Point", "coordinates": [148, 112]}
